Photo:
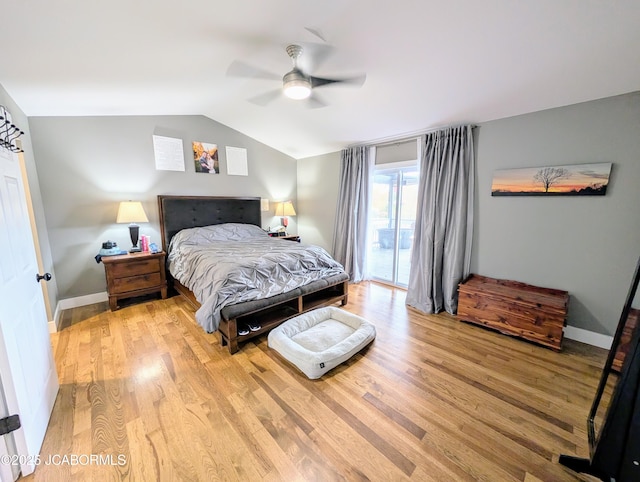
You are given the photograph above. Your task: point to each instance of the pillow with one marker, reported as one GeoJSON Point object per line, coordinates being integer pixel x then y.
{"type": "Point", "coordinates": [218, 232]}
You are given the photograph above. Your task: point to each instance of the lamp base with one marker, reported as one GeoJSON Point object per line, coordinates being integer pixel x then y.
{"type": "Point", "coordinates": [134, 231]}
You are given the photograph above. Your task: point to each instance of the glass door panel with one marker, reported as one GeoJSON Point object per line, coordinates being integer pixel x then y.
{"type": "Point", "coordinates": [394, 195]}
{"type": "Point", "coordinates": [383, 224]}
{"type": "Point", "coordinates": [407, 207]}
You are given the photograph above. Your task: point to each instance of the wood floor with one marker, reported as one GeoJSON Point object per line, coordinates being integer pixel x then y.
{"type": "Point", "coordinates": [153, 395]}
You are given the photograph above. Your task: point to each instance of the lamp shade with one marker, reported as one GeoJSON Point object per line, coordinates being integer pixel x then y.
{"type": "Point", "coordinates": [131, 212]}
{"type": "Point", "coordinates": [285, 208]}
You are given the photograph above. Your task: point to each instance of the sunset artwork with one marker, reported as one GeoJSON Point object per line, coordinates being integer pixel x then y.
{"type": "Point", "coordinates": [572, 180]}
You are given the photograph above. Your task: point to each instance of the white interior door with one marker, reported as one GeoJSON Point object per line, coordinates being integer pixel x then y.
{"type": "Point", "coordinates": [26, 361]}
{"type": "Point", "coordinates": [8, 472]}
{"type": "Point", "coordinates": [6, 475]}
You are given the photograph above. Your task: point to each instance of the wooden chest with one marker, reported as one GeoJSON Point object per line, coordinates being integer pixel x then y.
{"type": "Point", "coordinates": [625, 340]}
{"type": "Point", "coordinates": [513, 308]}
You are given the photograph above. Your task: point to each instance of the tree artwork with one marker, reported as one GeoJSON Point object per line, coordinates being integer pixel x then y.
{"type": "Point", "coordinates": [549, 176]}
{"type": "Point", "coordinates": [564, 180]}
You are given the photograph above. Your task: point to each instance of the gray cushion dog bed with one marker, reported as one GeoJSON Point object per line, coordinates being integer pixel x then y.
{"type": "Point", "coordinates": [320, 340]}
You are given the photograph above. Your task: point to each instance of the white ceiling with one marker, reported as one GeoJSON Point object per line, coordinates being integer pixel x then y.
{"type": "Point", "coordinates": [428, 63]}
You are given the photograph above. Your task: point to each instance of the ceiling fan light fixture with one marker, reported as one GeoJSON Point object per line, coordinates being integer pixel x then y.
{"type": "Point", "coordinates": [297, 90]}
{"type": "Point", "coordinates": [296, 86]}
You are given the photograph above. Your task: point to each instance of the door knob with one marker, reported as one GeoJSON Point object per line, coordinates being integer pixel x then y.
{"type": "Point", "coordinates": [46, 277]}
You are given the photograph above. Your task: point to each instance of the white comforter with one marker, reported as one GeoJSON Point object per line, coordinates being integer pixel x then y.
{"type": "Point", "coordinates": [232, 263]}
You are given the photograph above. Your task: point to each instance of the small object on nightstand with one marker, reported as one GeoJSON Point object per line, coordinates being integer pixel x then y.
{"type": "Point", "coordinates": [277, 232]}
{"type": "Point", "coordinates": [110, 248]}
{"type": "Point", "coordinates": [292, 237]}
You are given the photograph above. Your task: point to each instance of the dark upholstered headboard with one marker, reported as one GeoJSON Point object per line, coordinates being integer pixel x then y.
{"type": "Point", "coordinates": [181, 212]}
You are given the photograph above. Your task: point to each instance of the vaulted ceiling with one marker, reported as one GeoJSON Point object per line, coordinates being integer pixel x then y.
{"type": "Point", "coordinates": [428, 63]}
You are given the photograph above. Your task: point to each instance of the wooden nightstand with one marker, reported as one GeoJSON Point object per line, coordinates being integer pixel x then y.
{"type": "Point", "coordinates": [134, 274]}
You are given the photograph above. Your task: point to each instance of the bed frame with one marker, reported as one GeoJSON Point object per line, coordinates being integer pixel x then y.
{"type": "Point", "coordinates": [181, 212]}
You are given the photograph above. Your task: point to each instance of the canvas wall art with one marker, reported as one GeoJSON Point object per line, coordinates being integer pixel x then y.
{"type": "Point", "coordinates": [205, 157]}
{"type": "Point", "coordinates": [570, 180]}
{"type": "Point", "coordinates": [168, 153]}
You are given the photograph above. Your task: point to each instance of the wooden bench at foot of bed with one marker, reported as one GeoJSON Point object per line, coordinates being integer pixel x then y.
{"type": "Point", "coordinates": [271, 312]}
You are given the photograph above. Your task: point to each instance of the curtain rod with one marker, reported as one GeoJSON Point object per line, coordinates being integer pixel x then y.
{"type": "Point", "coordinates": [385, 141]}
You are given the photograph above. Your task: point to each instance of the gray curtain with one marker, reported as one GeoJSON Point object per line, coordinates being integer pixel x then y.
{"type": "Point", "coordinates": [441, 252]}
{"type": "Point", "coordinates": [350, 230]}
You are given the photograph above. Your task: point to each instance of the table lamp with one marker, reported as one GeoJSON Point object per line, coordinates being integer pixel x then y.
{"type": "Point", "coordinates": [133, 213]}
{"type": "Point", "coordinates": [284, 209]}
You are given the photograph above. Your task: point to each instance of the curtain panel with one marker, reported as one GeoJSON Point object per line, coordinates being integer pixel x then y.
{"type": "Point", "coordinates": [441, 252]}
{"type": "Point", "coordinates": [350, 231]}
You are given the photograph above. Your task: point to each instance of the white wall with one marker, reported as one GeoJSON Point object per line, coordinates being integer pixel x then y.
{"type": "Point", "coordinates": [586, 245]}
{"type": "Point", "coordinates": [318, 183]}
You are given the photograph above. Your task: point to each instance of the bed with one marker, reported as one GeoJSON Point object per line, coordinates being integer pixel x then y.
{"type": "Point", "coordinates": [260, 289]}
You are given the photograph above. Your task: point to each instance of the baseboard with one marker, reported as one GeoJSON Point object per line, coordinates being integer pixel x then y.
{"type": "Point", "coordinates": [74, 303]}
{"type": "Point", "coordinates": [55, 323]}
{"type": "Point", "coordinates": [82, 301]}
{"type": "Point", "coordinates": [588, 337]}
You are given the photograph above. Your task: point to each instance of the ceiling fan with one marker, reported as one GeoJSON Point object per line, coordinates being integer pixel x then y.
{"type": "Point", "coordinates": [296, 84]}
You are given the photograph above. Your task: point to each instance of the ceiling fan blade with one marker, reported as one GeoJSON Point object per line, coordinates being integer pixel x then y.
{"type": "Point", "coordinates": [240, 69]}
{"type": "Point", "coordinates": [313, 56]}
{"type": "Point", "coordinates": [266, 98]}
{"type": "Point", "coordinates": [316, 32]}
{"type": "Point", "coordinates": [354, 81]}
{"type": "Point", "coordinates": [315, 101]}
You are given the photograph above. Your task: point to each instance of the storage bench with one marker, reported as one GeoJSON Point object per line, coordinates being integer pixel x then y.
{"type": "Point", "coordinates": [513, 308]}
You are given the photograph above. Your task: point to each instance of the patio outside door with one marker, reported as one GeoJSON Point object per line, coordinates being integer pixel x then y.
{"type": "Point", "coordinates": [392, 221]}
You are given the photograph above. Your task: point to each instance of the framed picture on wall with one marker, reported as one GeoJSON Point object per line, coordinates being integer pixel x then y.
{"type": "Point", "coordinates": [205, 158]}
{"type": "Point", "coordinates": [568, 180]}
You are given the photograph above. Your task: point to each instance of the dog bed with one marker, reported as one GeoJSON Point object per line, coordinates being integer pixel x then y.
{"type": "Point", "coordinates": [319, 340]}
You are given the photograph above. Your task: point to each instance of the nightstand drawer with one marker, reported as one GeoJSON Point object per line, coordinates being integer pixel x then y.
{"type": "Point", "coordinates": [133, 268]}
{"type": "Point", "coordinates": [132, 283]}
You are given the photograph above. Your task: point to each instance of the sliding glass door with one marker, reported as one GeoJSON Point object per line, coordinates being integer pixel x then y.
{"type": "Point", "coordinates": [393, 215]}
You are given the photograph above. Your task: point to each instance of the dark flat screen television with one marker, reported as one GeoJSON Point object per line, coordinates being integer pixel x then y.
{"type": "Point", "coordinates": [614, 419]}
